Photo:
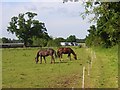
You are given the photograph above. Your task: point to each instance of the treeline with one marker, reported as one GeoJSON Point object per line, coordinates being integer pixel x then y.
{"type": "Point", "coordinates": [34, 32]}
{"type": "Point", "coordinates": [107, 30]}
{"type": "Point", "coordinates": [42, 42]}
{"type": "Point", "coordinates": [9, 40]}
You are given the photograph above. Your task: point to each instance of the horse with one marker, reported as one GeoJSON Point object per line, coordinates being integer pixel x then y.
{"type": "Point", "coordinates": [66, 50]}
{"type": "Point", "coordinates": [44, 53]}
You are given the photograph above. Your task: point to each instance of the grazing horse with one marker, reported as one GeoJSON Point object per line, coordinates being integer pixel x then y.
{"type": "Point", "coordinates": [44, 53]}
{"type": "Point", "coordinates": [66, 50]}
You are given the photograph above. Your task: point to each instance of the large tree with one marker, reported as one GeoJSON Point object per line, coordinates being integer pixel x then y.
{"type": "Point", "coordinates": [106, 15]}
{"type": "Point", "coordinates": [25, 27]}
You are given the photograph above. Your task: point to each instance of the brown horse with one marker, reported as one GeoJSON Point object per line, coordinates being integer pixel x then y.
{"type": "Point", "coordinates": [44, 53]}
{"type": "Point", "coordinates": [66, 50]}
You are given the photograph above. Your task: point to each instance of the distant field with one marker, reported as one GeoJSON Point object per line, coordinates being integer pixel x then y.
{"type": "Point", "coordinates": [20, 71]}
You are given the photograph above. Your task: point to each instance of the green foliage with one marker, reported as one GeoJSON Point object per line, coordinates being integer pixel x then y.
{"type": "Point", "coordinates": [53, 43]}
{"type": "Point", "coordinates": [8, 40]}
{"type": "Point", "coordinates": [25, 27]}
{"type": "Point", "coordinates": [60, 39]}
{"type": "Point", "coordinates": [4, 40]}
{"type": "Point", "coordinates": [1, 40]}
{"type": "Point", "coordinates": [93, 39]}
{"type": "Point", "coordinates": [80, 40]}
{"type": "Point", "coordinates": [71, 38]}
{"type": "Point", "coordinates": [108, 21]}
{"type": "Point", "coordinates": [39, 42]}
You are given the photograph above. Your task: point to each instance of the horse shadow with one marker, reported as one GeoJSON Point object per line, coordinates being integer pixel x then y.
{"type": "Point", "coordinates": [61, 62]}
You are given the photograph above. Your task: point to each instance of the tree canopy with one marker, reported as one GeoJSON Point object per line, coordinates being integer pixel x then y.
{"type": "Point", "coordinates": [71, 38]}
{"type": "Point", "coordinates": [26, 27]}
{"type": "Point", "coordinates": [107, 17]}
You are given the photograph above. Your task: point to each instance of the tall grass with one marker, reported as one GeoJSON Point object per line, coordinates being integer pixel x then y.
{"type": "Point", "coordinates": [104, 72]}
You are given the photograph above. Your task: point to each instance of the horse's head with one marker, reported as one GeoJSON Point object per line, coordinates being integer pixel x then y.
{"type": "Point", "coordinates": [36, 60]}
{"type": "Point", "coordinates": [75, 57]}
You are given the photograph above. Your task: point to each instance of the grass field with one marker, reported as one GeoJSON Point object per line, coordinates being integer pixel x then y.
{"type": "Point", "coordinates": [20, 71]}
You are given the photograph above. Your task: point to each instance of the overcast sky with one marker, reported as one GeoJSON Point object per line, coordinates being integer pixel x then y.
{"type": "Point", "coordinates": [61, 19]}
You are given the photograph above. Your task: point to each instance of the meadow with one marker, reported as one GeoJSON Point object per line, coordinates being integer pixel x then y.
{"type": "Point", "coordinates": [19, 69]}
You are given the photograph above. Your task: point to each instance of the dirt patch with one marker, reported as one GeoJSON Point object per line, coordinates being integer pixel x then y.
{"type": "Point", "coordinates": [68, 82]}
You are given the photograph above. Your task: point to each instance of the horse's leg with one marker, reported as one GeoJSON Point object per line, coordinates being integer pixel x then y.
{"type": "Point", "coordinates": [44, 59]}
{"type": "Point", "coordinates": [53, 59]}
{"type": "Point", "coordinates": [40, 59]}
{"type": "Point", "coordinates": [69, 56]}
{"type": "Point", "coordinates": [60, 57]}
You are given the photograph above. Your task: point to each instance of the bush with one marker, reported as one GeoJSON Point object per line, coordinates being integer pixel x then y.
{"type": "Point", "coordinates": [39, 42]}
{"type": "Point", "coordinates": [53, 43]}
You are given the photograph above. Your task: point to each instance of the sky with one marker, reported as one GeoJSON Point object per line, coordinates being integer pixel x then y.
{"type": "Point", "coordinates": [61, 19]}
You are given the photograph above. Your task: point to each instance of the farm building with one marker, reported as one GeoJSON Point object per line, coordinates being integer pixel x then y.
{"type": "Point", "coordinates": [69, 44]}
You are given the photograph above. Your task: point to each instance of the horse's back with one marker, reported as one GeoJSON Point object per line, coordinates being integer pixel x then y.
{"type": "Point", "coordinates": [65, 50]}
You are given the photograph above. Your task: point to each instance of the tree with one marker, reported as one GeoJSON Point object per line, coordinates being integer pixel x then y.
{"type": "Point", "coordinates": [39, 42]}
{"type": "Point", "coordinates": [106, 15]}
{"type": "Point", "coordinates": [5, 40]}
{"type": "Point", "coordinates": [59, 39]}
{"type": "Point", "coordinates": [25, 27]}
{"type": "Point", "coordinates": [71, 38]}
{"type": "Point", "coordinates": [53, 43]}
{"type": "Point", "coordinates": [1, 40]}
{"type": "Point", "coordinates": [92, 39]}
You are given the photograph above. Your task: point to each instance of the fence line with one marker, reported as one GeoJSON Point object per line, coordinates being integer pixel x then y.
{"type": "Point", "coordinates": [93, 57]}
{"type": "Point", "coordinates": [89, 66]}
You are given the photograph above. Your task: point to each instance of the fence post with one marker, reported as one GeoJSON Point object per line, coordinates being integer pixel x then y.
{"type": "Point", "coordinates": [83, 78]}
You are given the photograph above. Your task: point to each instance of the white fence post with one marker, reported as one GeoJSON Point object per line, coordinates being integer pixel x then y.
{"type": "Point", "coordinates": [83, 78]}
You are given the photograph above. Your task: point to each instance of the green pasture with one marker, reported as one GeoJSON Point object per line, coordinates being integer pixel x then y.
{"type": "Point", "coordinates": [19, 69]}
